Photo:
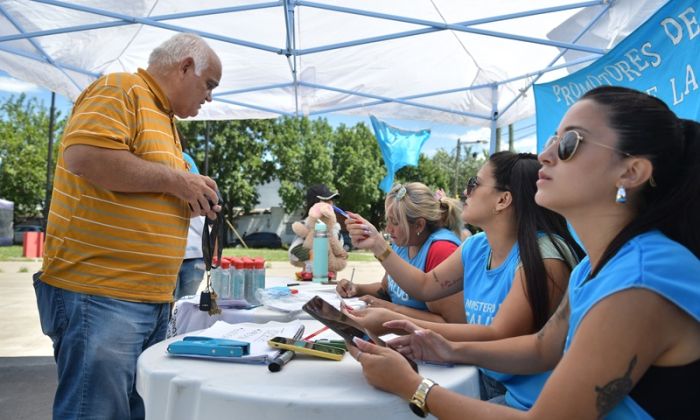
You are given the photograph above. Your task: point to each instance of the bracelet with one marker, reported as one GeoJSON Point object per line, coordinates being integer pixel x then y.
{"type": "Point", "coordinates": [383, 255]}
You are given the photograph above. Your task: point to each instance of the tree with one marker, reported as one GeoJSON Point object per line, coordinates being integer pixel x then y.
{"type": "Point", "coordinates": [358, 168]}
{"type": "Point", "coordinates": [302, 150]}
{"type": "Point", "coordinates": [236, 157]}
{"type": "Point", "coordinates": [24, 126]}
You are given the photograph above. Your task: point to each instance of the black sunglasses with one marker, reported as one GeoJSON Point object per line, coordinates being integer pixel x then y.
{"type": "Point", "coordinates": [472, 183]}
{"type": "Point", "coordinates": [569, 142]}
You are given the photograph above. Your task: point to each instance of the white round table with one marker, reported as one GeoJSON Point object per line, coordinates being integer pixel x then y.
{"type": "Point", "coordinates": [187, 317]}
{"type": "Point", "coordinates": [307, 388]}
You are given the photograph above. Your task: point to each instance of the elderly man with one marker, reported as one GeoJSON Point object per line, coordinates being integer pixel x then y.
{"type": "Point", "coordinates": [117, 227]}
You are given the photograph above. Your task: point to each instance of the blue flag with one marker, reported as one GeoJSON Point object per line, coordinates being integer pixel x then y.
{"type": "Point", "coordinates": [399, 148]}
{"type": "Point", "coordinates": [661, 58]}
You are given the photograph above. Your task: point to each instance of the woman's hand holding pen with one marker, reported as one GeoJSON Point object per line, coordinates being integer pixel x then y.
{"type": "Point", "coordinates": [347, 289]}
{"type": "Point", "coordinates": [364, 235]}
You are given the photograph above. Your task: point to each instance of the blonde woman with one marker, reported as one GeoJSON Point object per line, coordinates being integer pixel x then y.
{"type": "Point", "coordinates": [424, 228]}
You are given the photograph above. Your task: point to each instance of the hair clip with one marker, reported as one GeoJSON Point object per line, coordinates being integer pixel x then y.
{"type": "Point", "coordinates": [401, 193]}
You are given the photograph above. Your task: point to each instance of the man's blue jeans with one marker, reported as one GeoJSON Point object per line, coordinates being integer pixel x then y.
{"type": "Point", "coordinates": [96, 342]}
{"type": "Point", "coordinates": [190, 276]}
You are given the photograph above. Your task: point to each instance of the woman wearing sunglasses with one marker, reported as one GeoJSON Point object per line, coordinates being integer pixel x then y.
{"type": "Point", "coordinates": [424, 228]}
{"type": "Point", "coordinates": [513, 275]}
{"type": "Point", "coordinates": [625, 343]}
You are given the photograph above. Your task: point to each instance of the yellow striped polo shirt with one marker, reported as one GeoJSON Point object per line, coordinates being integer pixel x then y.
{"type": "Point", "coordinates": [121, 245]}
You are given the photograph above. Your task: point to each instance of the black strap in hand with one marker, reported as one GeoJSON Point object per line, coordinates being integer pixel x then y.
{"type": "Point", "coordinates": [213, 241]}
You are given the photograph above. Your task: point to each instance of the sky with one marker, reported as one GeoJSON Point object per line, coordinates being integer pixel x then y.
{"type": "Point", "coordinates": [443, 136]}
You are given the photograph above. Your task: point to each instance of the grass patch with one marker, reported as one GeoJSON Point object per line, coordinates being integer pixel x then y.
{"type": "Point", "coordinates": [281, 254]}
{"type": "Point", "coordinates": [23, 270]}
{"type": "Point", "coordinates": [7, 252]}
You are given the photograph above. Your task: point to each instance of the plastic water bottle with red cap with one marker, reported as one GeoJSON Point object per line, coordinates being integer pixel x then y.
{"type": "Point", "coordinates": [237, 272]}
{"type": "Point", "coordinates": [259, 273]}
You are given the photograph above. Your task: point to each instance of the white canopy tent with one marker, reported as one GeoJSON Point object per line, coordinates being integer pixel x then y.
{"type": "Point", "coordinates": [466, 62]}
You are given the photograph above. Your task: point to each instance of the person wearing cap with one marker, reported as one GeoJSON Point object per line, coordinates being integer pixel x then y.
{"type": "Point", "coordinates": [299, 255]}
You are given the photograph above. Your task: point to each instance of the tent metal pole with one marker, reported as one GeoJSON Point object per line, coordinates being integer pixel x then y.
{"type": "Point", "coordinates": [259, 108]}
{"type": "Point", "coordinates": [494, 119]}
{"type": "Point", "coordinates": [149, 22]}
{"type": "Point", "coordinates": [49, 152]}
{"type": "Point", "coordinates": [103, 25]}
{"type": "Point", "coordinates": [206, 148]}
{"type": "Point", "coordinates": [407, 34]}
{"type": "Point", "coordinates": [387, 99]}
{"type": "Point", "coordinates": [559, 55]}
{"type": "Point", "coordinates": [36, 45]}
{"type": "Point", "coordinates": [254, 89]}
{"type": "Point", "coordinates": [39, 58]}
{"type": "Point", "coordinates": [459, 28]}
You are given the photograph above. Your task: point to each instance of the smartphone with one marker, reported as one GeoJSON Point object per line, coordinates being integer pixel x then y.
{"type": "Point", "coordinates": [337, 321]}
{"type": "Point", "coordinates": [306, 347]}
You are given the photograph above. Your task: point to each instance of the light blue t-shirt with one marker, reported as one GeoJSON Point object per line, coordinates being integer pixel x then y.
{"type": "Point", "coordinates": [484, 291]}
{"type": "Point", "coordinates": [649, 261]}
{"type": "Point", "coordinates": [398, 295]}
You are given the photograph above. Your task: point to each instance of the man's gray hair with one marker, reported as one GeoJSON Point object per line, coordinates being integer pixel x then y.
{"type": "Point", "coordinates": [178, 48]}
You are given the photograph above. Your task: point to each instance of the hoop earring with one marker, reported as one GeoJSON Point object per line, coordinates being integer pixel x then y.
{"type": "Point", "coordinates": [621, 196]}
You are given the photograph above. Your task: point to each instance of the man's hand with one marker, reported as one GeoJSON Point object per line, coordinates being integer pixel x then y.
{"type": "Point", "coordinates": [200, 193]}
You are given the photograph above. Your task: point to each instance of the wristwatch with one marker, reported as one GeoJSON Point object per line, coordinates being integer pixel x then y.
{"type": "Point", "coordinates": [381, 257]}
{"type": "Point", "coordinates": [417, 402]}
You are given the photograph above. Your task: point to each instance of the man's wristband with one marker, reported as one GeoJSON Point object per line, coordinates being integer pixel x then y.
{"type": "Point", "coordinates": [381, 257]}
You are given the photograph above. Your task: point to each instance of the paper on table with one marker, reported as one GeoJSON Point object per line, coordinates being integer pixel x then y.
{"type": "Point", "coordinates": [255, 334]}
{"type": "Point", "coordinates": [294, 303]}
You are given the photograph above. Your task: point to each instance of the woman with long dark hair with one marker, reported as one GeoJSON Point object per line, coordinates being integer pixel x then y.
{"type": "Point", "coordinates": [625, 342]}
{"type": "Point", "coordinates": [513, 275]}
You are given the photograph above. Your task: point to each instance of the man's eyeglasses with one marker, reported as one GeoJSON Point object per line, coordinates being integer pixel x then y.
{"type": "Point", "coordinates": [569, 143]}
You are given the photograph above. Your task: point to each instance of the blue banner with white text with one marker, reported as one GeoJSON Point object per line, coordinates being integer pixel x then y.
{"type": "Point", "coordinates": [662, 58]}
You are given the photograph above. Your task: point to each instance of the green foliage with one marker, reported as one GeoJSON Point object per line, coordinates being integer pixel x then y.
{"type": "Point", "coordinates": [358, 168]}
{"type": "Point", "coordinates": [236, 156]}
{"type": "Point", "coordinates": [24, 126]}
{"type": "Point", "coordinates": [243, 154]}
{"type": "Point", "coordinates": [302, 150]}
{"type": "Point", "coordinates": [10, 252]}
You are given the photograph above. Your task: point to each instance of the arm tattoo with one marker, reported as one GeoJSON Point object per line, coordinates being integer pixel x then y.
{"type": "Point", "coordinates": [562, 314]}
{"type": "Point", "coordinates": [443, 284]}
{"type": "Point", "coordinates": [614, 391]}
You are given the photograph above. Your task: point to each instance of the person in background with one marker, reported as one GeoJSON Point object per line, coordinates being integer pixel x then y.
{"type": "Point", "coordinates": [625, 343]}
{"type": "Point", "coordinates": [117, 226]}
{"type": "Point", "coordinates": [300, 256]}
{"type": "Point", "coordinates": [513, 274]}
{"type": "Point", "coordinates": [424, 228]}
{"type": "Point", "coordinates": [192, 269]}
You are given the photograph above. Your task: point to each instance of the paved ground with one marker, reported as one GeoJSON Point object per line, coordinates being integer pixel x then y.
{"type": "Point", "coordinates": [27, 369]}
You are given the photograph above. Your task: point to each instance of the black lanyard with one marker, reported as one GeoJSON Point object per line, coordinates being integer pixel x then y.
{"type": "Point", "coordinates": [212, 248]}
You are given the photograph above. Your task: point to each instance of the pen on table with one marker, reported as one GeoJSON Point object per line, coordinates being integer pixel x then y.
{"type": "Point", "coordinates": [284, 356]}
{"type": "Point", "coordinates": [315, 333]}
